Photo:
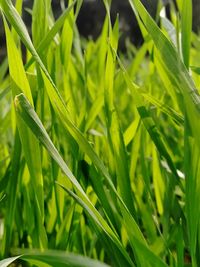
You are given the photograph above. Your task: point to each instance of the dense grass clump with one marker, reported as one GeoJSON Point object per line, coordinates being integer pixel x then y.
{"type": "Point", "coordinates": [99, 151]}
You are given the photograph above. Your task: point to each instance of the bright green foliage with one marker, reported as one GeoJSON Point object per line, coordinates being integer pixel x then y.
{"type": "Point", "coordinates": [99, 151]}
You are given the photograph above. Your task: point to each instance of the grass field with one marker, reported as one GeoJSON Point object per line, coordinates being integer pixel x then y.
{"type": "Point", "coordinates": [99, 150]}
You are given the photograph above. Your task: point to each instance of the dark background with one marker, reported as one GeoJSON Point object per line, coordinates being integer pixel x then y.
{"type": "Point", "coordinates": [92, 15]}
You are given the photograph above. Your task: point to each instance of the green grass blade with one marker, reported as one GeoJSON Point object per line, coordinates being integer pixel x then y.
{"type": "Point", "coordinates": [8, 261]}
{"type": "Point", "coordinates": [192, 169]}
{"type": "Point", "coordinates": [3, 69]}
{"type": "Point", "coordinates": [159, 183]}
{"type": "Point", "coordinates": [67, 39]}
{"type": "Point", "coordinates": [149, 256]}
{"type": "Point", "coordinates": [196, 69]}
{"type": "Point", "coordinates": [4, 92]}
{"type": "Point", "coordinates": [186, 30]}
{"type": "Point", "coordinates": [54, 258]}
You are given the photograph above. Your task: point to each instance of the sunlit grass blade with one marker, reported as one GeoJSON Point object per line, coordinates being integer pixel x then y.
{"type": "Point", "coordinates": [186, 30]}
{"type": "Point", "coordinates": [159, 183]}
{"type": "Point", "coordinates": [192, 169]}
{"type": "Point", "coordinates": [67, 39]}
{"type": "Point", "coordinates": [130, 132]}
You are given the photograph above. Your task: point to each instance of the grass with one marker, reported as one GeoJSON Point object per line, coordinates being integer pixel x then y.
{"type": "Point", "coordinates": [99, 151]}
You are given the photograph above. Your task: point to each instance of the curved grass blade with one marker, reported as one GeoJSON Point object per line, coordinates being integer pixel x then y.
{"type": "Point", "coordinates": [8, 261]}
{"type": "Point", "coordinates": [54, 258]}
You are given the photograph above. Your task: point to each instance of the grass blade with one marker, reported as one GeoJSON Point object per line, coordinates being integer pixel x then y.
{"type": "Point", "coordinates": [186, 30]}
{"type": "Point", "coordinates": [54, 258]}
